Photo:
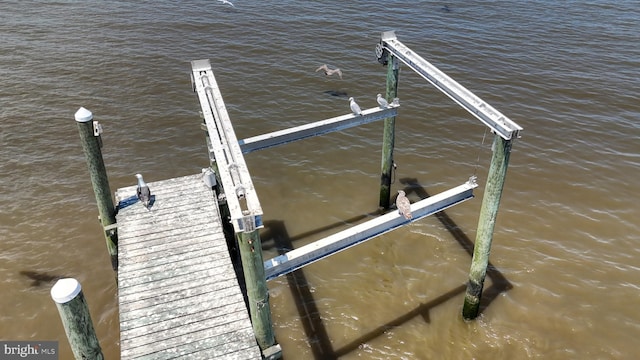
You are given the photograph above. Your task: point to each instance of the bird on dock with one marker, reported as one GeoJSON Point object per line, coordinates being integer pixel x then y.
{"type": "Point", "coordinates": [143, 192]}
{"type": "Point", "coordinates": [382, 102]}
{"type": "Point", "coordinates": [403, 205]}
{"type": "Point", "coordinates": [354, 106]}
{"type": "Point", "coordinates": [329, 72]}
{"type": "Point", "coordinates": [226, 2]}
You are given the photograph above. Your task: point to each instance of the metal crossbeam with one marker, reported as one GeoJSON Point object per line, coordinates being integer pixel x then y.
{"type": "Point", "coordinates": [234, 175]}
{"type": "Point", "coordinates": [491, 117]}
{"type": "Point", "coordinates": [316, 128]}
{"type": "Point", "coordinates": [297, 258]}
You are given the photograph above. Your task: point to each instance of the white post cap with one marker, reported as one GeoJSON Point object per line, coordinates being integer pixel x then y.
{"type": "Point", "coordinates": [83, 115]}
{"type": "Point", "coordinates": [65, 290]}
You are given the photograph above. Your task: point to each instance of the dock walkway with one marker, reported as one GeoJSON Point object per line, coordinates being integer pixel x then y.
{"type": "Point", "coordinates": [177, 290]}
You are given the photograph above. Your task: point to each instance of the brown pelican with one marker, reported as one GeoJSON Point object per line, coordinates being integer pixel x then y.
{"type": "Point", "coordinates": [328, 71]}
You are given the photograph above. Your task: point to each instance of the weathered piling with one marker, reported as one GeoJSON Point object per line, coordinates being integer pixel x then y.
{"type": "Point", "coordinates": [388, 139]}
{"type": "Point", "coordinates": [257, 291]}
{"type": "Point", "coordinates": [90, 136]}
{"type": "Point", "coordinates": [76, 319]}
{"type": "Point", "coordinates": [486, 223]}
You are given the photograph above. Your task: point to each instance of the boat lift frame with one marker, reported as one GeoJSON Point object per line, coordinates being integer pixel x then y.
{"type": "Point", "coordinates": [499, 123]}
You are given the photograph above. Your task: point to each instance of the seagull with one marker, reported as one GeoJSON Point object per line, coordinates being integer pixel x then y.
{"type": "Point", "coordinates": [403, 205]}
{"type": "Point", "coordinates": [382, 102]}
{"type": "Point", "coordinates": [226, 2]}
{"type": "Point", "coordinates": [330, 72]}
{"type": "Point", "coordinates": [354, 107]}
{"type": "Point", "coordinates": [143, 192]}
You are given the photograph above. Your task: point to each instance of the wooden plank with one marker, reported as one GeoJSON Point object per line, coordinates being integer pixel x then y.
{"type": "Point", "coordinates": [177, 289]}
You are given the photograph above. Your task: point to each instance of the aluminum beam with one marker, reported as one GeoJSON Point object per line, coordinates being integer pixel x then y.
{"type": "Point", "coordinates": [316, 128]}
{"type": "Point", "coordinates": [297, 258]}
{"type": "Point", "coordinates": [491, 117]}
{"type": "Point", "coordinates": [233, 171]}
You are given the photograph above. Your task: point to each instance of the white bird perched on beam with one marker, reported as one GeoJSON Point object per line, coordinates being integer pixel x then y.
{"type": "Point", "coordinates": [143, 192]}
{"type": "Point", "coordinates": [403, 205]}
{"type": "Point", "coordinates": [354, 106]}
{"type": "Point", "coordinates": [382, 102]}
{"type": "Point", "coordinates": [330, 72]}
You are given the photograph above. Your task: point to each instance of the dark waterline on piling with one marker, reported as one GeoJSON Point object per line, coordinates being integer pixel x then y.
{"type": "Point", "coordinates": [565, 243]}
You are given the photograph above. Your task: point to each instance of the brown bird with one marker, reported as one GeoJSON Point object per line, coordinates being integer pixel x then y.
{"type": "Point", "coordinates": [328, 71]}
{"type": "Point", "coordinates": [403, 205]}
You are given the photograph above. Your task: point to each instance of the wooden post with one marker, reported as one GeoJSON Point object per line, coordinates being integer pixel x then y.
{"type": "Point", "coordinates": [90, 137]}
{"type": "Point", "coordinates": [486, 223]}
{"type": "Point", "coordinates": [388, 138]}
{"type": "Point", "coordinates": [76, 319]}
{"type": "Point", "coordinates": [257, 292]}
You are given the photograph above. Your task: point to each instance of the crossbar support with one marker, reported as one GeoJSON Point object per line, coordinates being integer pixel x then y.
{"type": "Point", "coordinates": [305, 255]}
{"type": "Point", "coordinates": [321, 127]}
{"type": "Point", "coordinates": [499, 123]}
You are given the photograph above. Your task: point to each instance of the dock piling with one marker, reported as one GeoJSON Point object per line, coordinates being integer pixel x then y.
{"type": "Point", "coordinates": [257, 291]}
{"type": "Point", "coordinates": [90, 137]}
{"type": "Point", "coordinates": [388, 139]}
{"type": "Point", "coordinates": [76, 319]}
{"type": "Point", "coordinates": [486, 223]}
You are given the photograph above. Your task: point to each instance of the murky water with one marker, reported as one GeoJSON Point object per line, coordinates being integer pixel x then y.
{"type": "Point", "coordinates": [565, 262]}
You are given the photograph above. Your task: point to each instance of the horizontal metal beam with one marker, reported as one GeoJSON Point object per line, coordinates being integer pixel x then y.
{"type": "Point", "coordinates": [491, 117]}
{"type": "Point", "coordinates": [297, 258]}
{"type": "Point", "coordinates": [233, 171]}
{"type": "Point", "coordinates": [316, 128]}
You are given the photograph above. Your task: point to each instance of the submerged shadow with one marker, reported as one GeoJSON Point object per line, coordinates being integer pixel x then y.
{"type": "Point", "coordinates": [40, 278]}
{"type": "Point", "coordinates": [421, 310]}
{"type": "Point", "coordinates": [315, 330]}
{"type": "Point", "coordinates": [499, 282]}
{"type": "Point", "coordinates": [275, 234]}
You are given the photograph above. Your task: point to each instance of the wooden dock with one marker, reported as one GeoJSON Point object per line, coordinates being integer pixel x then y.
{"type": "Point", "coordinates": [177, 289]}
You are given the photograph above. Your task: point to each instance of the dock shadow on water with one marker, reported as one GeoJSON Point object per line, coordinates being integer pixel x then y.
{"type": "Point", "coordinates": [276, 235]}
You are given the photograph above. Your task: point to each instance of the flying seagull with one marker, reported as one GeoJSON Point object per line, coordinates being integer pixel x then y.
{"type": "Point", "coordinates": [354, 107]}
{"type": "Point", "coordinates": [226, 2]}
{"type": "Point", "coordinates": [143, 192]}
{"type": "Point", "coordinates": [382, 102]}
{"type": "Point", "coordinates": [403, 205]}
{"type": "Point", "coordinates": [328, 71]}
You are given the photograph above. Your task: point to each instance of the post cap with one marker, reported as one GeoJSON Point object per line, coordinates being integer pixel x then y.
{"type": "Point", "coordinates": [65, 290]}
{"type": "Point", "coordinates": [83, 115]}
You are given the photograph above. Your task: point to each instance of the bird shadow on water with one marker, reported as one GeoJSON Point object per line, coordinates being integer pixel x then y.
{"type": "Point", "coordinates": [275, 234]}
{"type": "Point", "coordinates": [337, 93]}
{"type": "Point", "coordinates": [39, 279]}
